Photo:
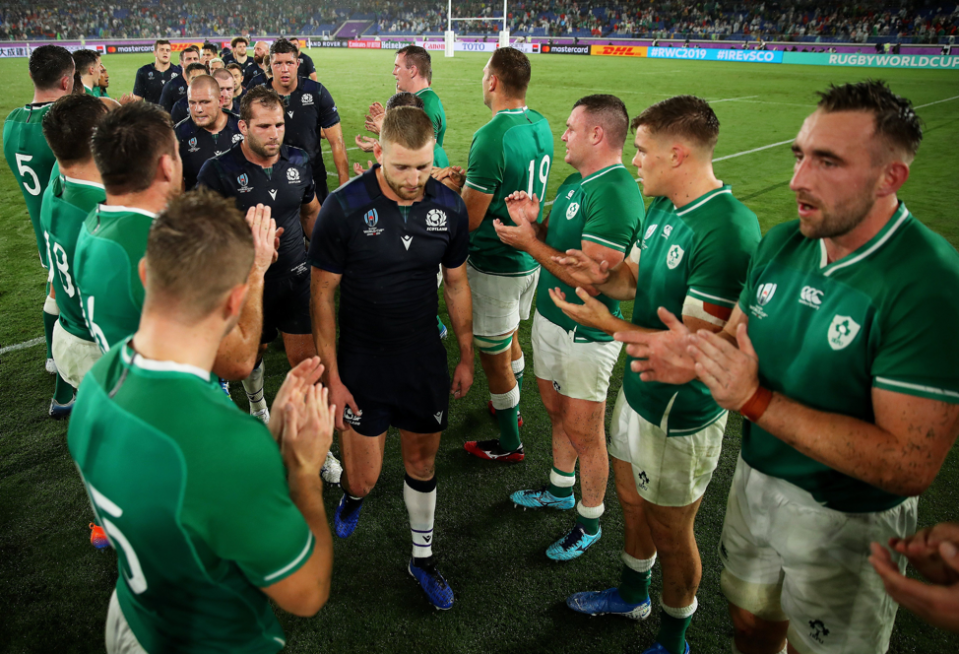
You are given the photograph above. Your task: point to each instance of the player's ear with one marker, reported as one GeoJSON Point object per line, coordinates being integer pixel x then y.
{"type": "Point", "coordinates": [678, 154]}
{"type": "Point", "coordinates": [894, 175]}
{"type": "Point", "coordinates": [142, 271]}
{"type": "Point", "coordinates": [378, 152]}
{"type": "Point", "coordinates": [596, 134]}
{"type": "Point", "coordinates": [235, 300]}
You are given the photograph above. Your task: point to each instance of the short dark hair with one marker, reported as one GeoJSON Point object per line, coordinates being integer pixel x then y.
{"type": "Point", "coordinates": [69, 125]}
{"type": "Point", "coordinates": [128, 143]}
{"type": "Point", "coordinates": [512, 69]}
{"type": "Point", "coordinates": [420, 57]}
{"type": "Point", "coordinates": [199, 248]}
{"type": "Point", "coordinates": [49, 64]}
{"type": "Point", "coordinates": [189, 48]}
{"type": "Point", "coordinates": [407, 126]}
{"type": "Point", "coordinates": [234, 66]}
{"type": "Point", "coordinates": [404, 99]}
{"type": "Point", "coordinates": [608, 112]}
{"type": "Point", "coordinates": [237, 39]}
{"type": "Point", "coordinates": [211, 47]}
{"type": "Point", "coordinates": [85, 58]}
{"type": "Point", "coordinates": [283, 46]}
{"type": "Point", "coordinates": [159, 42]}
{"type": "Point", "coordinates": [682, 115]}
{"type": "Point", "coordinates": [261, 95]}
{"type": "Point", "coordinates": [195, 66]}
{"type": "Point", "coordinates": [896, 120]}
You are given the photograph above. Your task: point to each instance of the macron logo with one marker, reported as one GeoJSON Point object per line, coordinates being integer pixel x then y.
{"type": "Point", "coordinates": [273, 194]}
{"type": "Point", "coordinates": [439, 417]}
{"type": "Point", "coordinates": [406, 243]}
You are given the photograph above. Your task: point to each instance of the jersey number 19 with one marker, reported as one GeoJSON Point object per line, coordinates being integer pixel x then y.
{"type": "Point", "coordinates": [543, 176]}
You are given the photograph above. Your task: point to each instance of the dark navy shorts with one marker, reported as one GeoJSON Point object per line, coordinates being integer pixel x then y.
{"type": "Point", "coordinates": [409, 390]}
{"type": "Point", "coordinates": [286, 306]}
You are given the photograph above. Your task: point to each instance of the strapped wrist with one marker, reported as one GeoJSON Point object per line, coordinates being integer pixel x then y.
{"type": "Point", "coordinates": [756, 406]}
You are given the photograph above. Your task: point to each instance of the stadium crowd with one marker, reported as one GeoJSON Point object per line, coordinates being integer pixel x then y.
{"type": "Point", "coordinates": [160, 294]}
{"type": "Point", "coordinates": [920, 21]}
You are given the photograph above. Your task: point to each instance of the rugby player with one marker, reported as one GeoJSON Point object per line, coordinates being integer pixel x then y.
{"type": "Point", "coordinates": [413, 73]}
{"type": "Point", "coordinates": [841, 356]}
{"type": "Point", "coordinates": [261, 50]}
{"type": "Point", "coordinates": [87, 64]}
{"type": "Point", "coordinates": [665, 441]}
{"type": "Point", "coordinates": [237, 71]}
{"type": "Point", "coordinates": [513, 152]}
{"type": "Point", "coordinates": [135, 151]}
{"type": "Point", "coordinates": [206, 534]}
{"type": "Point", "coordinates": [379, 239]}
{"type": "Point", "coordinates": [30, 158]}
{"type": "Point", "coordinates": [306, 67]}
{"type": "Point", "coordinates": [72, 194]}
{"type": "Point", "coordinates": [310, 114]}
{"type": "Point", "coordinates": [400, 99]}
{"type": "Point", "coordinates": [262, 170]}
{"type": "Point", "coordinates": [237, 55]}
{"type": "Point", "coordinates": [208, 132]}
{"type": "Point", "coordinates": [216, 64]}
{"type": "Point", "coordinates": [598, 210]}
{"type": "Point", "coordinates": [228, 97]}
{"type": "Point", "coordinates": [103, 83]}
{"type": "Point", "coordinates": [181, 109]}
{"type": "Point", "coordinates": [175, 89]}
{"type": "Point", "coordinates": [207, 54]}
{"type": "Point", "coordinates": [151, 77]}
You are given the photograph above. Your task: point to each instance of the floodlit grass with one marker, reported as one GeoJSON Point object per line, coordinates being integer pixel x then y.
{"type": "Point", "coordinates": [54, 587]}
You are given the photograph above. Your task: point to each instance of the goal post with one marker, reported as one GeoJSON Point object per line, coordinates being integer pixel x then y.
{"type": "Point", "coordinates": [450, 36]}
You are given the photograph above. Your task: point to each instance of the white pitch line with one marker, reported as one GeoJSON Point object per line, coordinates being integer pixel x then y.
{"type": "Point", "coordinates": [326, 152]}
{"type": "Point", "coordinates": [22, 346]}
{"type": "Point", "coordinates": [739, 154]}
{"type": "Point", "coordinates": [745, 97]}
{"type": "Point", "coordinates": [929, 104]}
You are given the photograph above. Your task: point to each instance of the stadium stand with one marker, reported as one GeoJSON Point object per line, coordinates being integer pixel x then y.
{"type": "Point", "coordinates": [880, 21]}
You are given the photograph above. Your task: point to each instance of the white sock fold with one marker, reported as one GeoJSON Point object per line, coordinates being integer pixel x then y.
{"type": "Point", "coordinates": [679, 613]}
{"type": "Point", "coordinates": [50, 306]}
{"type": "Point", "coordinates": [561, 481]}
{"type": "Point", "coordinates": [519, 365]}
{"type": "Point", "coordinates": [505, 400]}
{"type": "Point", "coordinates": [590, 511]}
{"type": "Point", "coordinates": [639, 565]}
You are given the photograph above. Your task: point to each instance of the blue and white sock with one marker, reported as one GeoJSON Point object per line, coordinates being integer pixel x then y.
{"type": "Point", "coordinates": [420, 498]}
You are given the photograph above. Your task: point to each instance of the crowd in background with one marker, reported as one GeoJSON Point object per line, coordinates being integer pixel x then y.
{"type": "Point", "coordinates": [918, 21]}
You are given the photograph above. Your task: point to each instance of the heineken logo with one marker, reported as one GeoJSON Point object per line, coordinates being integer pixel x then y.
{"type": "Point", "coordinates": [842, 332]}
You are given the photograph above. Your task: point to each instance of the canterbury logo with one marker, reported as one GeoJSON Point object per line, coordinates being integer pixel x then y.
{"type": "Point", "coordinates": [811, 297]}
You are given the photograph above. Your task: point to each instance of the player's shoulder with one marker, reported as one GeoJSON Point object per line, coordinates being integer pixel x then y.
{"type": "Point", "coordinates": [929, 254]}
{"type": "Point", "coordinates": [444, 196]}
{"type": "Point", "coordinates": [145, 68]}
{"type": "Point", "coordinates": [185, 128]}
{"type": "Point", "coordinates": [295, 156]}
{"type": "Point", "coordinates": [355, 193]}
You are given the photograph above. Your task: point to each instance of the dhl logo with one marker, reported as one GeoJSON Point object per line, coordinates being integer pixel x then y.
{"type": "Point", "coordinates": [619, 50]}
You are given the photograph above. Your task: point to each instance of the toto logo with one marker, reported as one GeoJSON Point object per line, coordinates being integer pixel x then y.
{"type": "Point", "coordinates": [474, 46]}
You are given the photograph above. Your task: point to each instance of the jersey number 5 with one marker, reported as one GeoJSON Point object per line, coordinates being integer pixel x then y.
{"type": "Point", "coordinates": [543, 176]}
{"type": "Point", "coordinates": [22, 161]}
{"type": "Point", "coordinates": [102, 505]}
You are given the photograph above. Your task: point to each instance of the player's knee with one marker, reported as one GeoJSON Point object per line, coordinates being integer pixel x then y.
{"type": "Point", "coordinates": [358, 483]}
{"type": "Point", "coordinates": [755, 609]}
{"type": "Point", "coordinates": [491, 346]}
{"type": "Point", "coordinates": [420, 468]}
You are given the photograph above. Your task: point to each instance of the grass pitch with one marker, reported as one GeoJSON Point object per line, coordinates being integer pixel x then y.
{"type": "Point", "coordinates": [54, 586]}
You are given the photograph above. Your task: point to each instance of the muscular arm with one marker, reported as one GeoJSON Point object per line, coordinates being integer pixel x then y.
{"type": "Point", "coordinates": [621, 284]}
{"type": "Point", "coordinates": [308, 214]}
{"type": "Point", "coordinates": [305, 591]}
{"type": "Point", "coordinates": [323, 285]}
{"type": "Point", "coordinates": [477, 203]}
{"type": "Point", "coordinates": [901, 453]}
{"type": "Point", "coordinates": [238, 349]}
{"type": "Point", "coordinates": [459, 303]}
{"type": "Point", "coordinates": [334, 135]}
{"type": "Point", "coordinates": [544, 255]}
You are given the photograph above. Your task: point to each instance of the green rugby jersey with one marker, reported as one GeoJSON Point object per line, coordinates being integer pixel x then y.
{"type": "Point", "coordinates": [66, 204]}
{"type": "Point", "coordinates": [605, 208]}
{"type": "Point", "coordinates": [30, 159]}
{"type": "Point", "coordinates": [512, 152]}
{"type": "Point", "coordinates": [109, 248]}
{"type": "Point", "coordinates": [195, 502]}
{"type": "Point", "coordinates": [826, 333]}
{"type": "Point", "coordinates": [701, 251]}
{"type": "Point", "coordinates": [434, 109]}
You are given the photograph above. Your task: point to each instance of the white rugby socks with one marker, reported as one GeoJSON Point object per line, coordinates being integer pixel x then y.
{"type": "Point", "coordinates": [420, 499]}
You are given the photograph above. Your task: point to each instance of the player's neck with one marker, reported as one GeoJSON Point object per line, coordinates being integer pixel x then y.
{"type": "Point", "coordinates": [254, 158]}
{"type": "Point", "coordinates": [240, 60]}
{"type": "Point", "coordinates": [88, 82]}
{"type": "Point", "coordinates": [389, 193]}
{"type": "Point", "coordinates": [153, 199]}
{"type": "Point", "coordinates": [500, 103]}
{"type": "Point", "coordinates": [41, 96]}
{"type": "Point", "coordinates": [692, 183]}
{"type": "Point", "coordinates": [161, 337]}
{"type": "Point", "coordinates": [877, 218]}
{"type": "Point", "coordinates": [275, 85]}
{"type": "Point", "coordinates": [219, 123]}
{"type": "Point", "coordinates": [161, 67]}
{"type": "Point", "coordinates": [417, 84]}
{"type": "Point", "coordinates": [85, 171]}
{"type": "Point", "coordinates": [598, 161]}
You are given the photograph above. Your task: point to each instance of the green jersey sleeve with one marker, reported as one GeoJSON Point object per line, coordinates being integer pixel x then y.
{"type": "Point", "coordinates": [614, 211]}
{"type": "Point", "coordinates": [918, 348]}
{"type": "Point", "coordinates": [252, 519]}
{"type": "Point", "coordinates": [486, 163]}
{"type": "Point", "coordinates": [720, 260]}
